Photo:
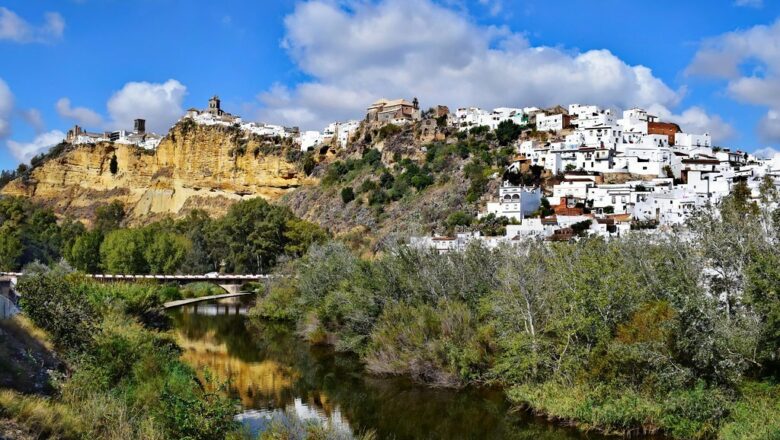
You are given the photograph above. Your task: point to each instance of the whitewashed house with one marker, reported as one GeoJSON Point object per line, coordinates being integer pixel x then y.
{"type": "Point", "coordinates": [310, 139]}
{"type": "Point", "coordinates": [515, 202]}
{"type": "Point", "coordinates": [551, 122]}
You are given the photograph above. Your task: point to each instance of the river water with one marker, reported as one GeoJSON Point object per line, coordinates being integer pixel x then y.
{"type": "Point", "coordinates": [269, 370]}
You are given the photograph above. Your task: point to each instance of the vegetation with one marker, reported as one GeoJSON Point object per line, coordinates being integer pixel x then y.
{"type": "Point", "coordinates": [508, 132]}
{"type": "Point", "coordinates": [125, 380]}
{"type": "Point", "coordinates": [642, 334]}
{"type": "Point", "coordinates": [250, 238]}
{"type": "Point", "coordinates": [30, 233]}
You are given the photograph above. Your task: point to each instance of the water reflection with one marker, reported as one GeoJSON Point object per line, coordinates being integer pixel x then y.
{"type": "Point", "coordinates": [270, 369]}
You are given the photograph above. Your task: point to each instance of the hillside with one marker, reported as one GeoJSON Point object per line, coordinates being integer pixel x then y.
{"type": "Point", "coordinates": [402, 184]}
{"type": "Point", "coordinates": [195, 166]}
{"type": "Point", "coordinates": [398, 180]}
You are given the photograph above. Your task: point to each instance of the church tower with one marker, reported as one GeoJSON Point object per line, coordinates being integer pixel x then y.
{"type": "Point", "coordinates": [214, 106]}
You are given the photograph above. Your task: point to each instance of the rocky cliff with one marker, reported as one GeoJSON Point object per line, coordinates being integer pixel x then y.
{"type": "Point", "coordinates": [195, 166]}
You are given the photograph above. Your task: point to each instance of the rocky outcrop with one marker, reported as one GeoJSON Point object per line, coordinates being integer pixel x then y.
{"type": "Point", "coordinates": [195, 166]}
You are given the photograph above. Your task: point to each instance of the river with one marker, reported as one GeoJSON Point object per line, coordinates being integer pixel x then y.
{"type": "Point", "coordinates": [269, 369]}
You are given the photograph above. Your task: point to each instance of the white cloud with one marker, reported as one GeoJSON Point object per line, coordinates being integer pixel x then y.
{"type": "Point", "coordinates": [696, 120]}
{"type": "Point", "coordinates": [159, 104]}
{"type": "Point", "coordinates": [81, 115]}
{"type": "Point", "coordinates": [24, 151]}
{"type": "Point", "coordinates": [494, 6]}
{"type": "Point", "coordinates": [6, 107]}
{"type": "Point", "coordinates": [15, 28]}
{"type": "Point", "coordinates": [728, 55]}
{"type": "Point", "coordinates": [766, 153]}
{"type": "Point", "coordinates": [411, 48]}
{"type": "Point", "coordinates": [33, 117]}
{"type": "Point", "coordinates": [750, 3]}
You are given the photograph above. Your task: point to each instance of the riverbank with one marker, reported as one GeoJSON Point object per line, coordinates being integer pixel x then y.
{"type": "Point", "coordinates": [622, 337]}
{"type": "Point", "coordinates": [124, 380]}
{"type": "Point", "coordinates": [276, 374]}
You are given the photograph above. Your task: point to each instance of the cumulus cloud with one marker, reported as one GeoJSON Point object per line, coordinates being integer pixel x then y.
{"type": "Point", "coordinates": [15, 28]}
{"type": "Point", "coordinates": [766, 153]}
{"type": "Point", "coordinates": [24, 151]}
{"type": "Point", "coordinates": [81, 115]}
{"type": "Point", "coordinates": [697, 120]}
{"type": "Point", "coordinates": [33, 117]}
{"type": "Point", "coordinates": [727, 57]}
{"type": "Point", "coordinates": [159, 104]}
{"type": "Point", "coordinates": [406, 48]}
{"type": "Point", "coordinates": [6, 107]}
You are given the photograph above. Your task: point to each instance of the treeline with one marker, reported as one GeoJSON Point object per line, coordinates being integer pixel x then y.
{"type": "Point", "coordinates": [249, 239]}
{"type": "Point", "coordinates": [643, 334]}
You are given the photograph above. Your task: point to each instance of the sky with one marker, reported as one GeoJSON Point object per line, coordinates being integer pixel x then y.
{"type": "Point", "coordinates": [711, 66]}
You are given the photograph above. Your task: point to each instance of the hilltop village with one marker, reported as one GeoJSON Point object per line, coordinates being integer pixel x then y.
{"type": "Point", "coordinates": [598, 172]}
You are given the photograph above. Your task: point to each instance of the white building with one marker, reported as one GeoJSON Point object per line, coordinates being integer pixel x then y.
{"type": "Point", "coordinates": [310, 139]}
{"type": "Point", "coordinates": [515, 202]}
{"type": "Point", "coordinates": [551, 122]}
{"type": "Point", "coordinates": [340, 132]}
{"type": "Point", "coordinates": [688, 140]}
{"type": "Point", "coordinates": [667, 208]}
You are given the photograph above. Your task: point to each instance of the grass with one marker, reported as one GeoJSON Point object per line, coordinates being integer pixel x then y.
{"type": "Point", "coordinates": [756, 415]}
{"type": "Point", "coordinates": [26, 352]}
{"type": "Point", "coordinates": [691, 413]}
{"type": "Point", "coordinates": [41, 416]}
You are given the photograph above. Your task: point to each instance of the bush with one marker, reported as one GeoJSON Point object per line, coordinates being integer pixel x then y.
{"type": "Point", "coordinates": [507, 132]}
{"type": "Point", "coordinates": [347, 194]}
{"type": "Point", "coordinates": [54, 302]}
{"type": "Point", "coordinates": [436, 345]}
{"type": "Point", "coordinates": [282, 303]}
{"type": "Point", "coordinates": [459, 218]}
{"type": "Point", "coordinates": [388, 130]}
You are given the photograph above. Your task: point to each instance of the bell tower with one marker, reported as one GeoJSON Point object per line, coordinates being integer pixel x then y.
{"type": "Point", "coordinates": [214, 106]}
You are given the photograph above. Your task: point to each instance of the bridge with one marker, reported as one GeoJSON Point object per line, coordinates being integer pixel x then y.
{"type": "Point", "coordinates": [184, 302]}
{"type": "Point", "coordinates": [231, 283]}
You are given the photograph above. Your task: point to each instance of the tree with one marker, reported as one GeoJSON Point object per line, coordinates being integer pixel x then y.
{"type": "Point", "coordinates": [84, 255]}
{"type": "Point", "coordinates": [508, 132]}
{"type": "Point", "coordinates": [347, 194]}
{"type": "Point", "coordinates": [739, 201]}
{"type": "Point", "coordinates": [300, 235]}
{"type": "Point", "coordinates": [166, 252]}
{"type": "Point", "coordinates": [196, 226]}
{"type": "Point", "coordinates": [570, 167]}
{"type": "Point", "coordinates": [579, 228]}
{"type": "Point", "coordinates": [308, 163]}
{"type": "Point", "coordinates": [252, 235]}
{"type": "Point", "coordinates": [11, 248]}
{"type": "Point", "coordinates": [459, 218]}
{"type": "Point", "coordinates": [492, 226]}
{"type": "Point", "coordinates": [114, 165]}
{"type": "Point", "coordinates": [109, 217]}
{"type": "Point", "coordinates": [122, 252]}
{"type": "Point", "coordinates": [50, 298]}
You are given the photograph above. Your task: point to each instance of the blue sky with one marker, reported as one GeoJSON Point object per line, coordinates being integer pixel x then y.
{"type": "Point", "coordinates": [711, 66]}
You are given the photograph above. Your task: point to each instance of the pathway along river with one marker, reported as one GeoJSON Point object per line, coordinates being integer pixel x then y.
{"type": "Point", "coordinates": [270, 369]}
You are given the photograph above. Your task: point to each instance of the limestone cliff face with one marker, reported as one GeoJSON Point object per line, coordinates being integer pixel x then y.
{"type": "Point", "coordinates": [195, 166]}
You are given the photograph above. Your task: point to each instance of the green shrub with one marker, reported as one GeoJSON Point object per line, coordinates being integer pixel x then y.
{"type": "Point", "coordinates": [52, 300]}
{"type": "Point", "coordinates": [282, 303]}
{"type": "Point", "coordinates": [437, 345]}
{"type": "Point", "coordinates": [347, 194]}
